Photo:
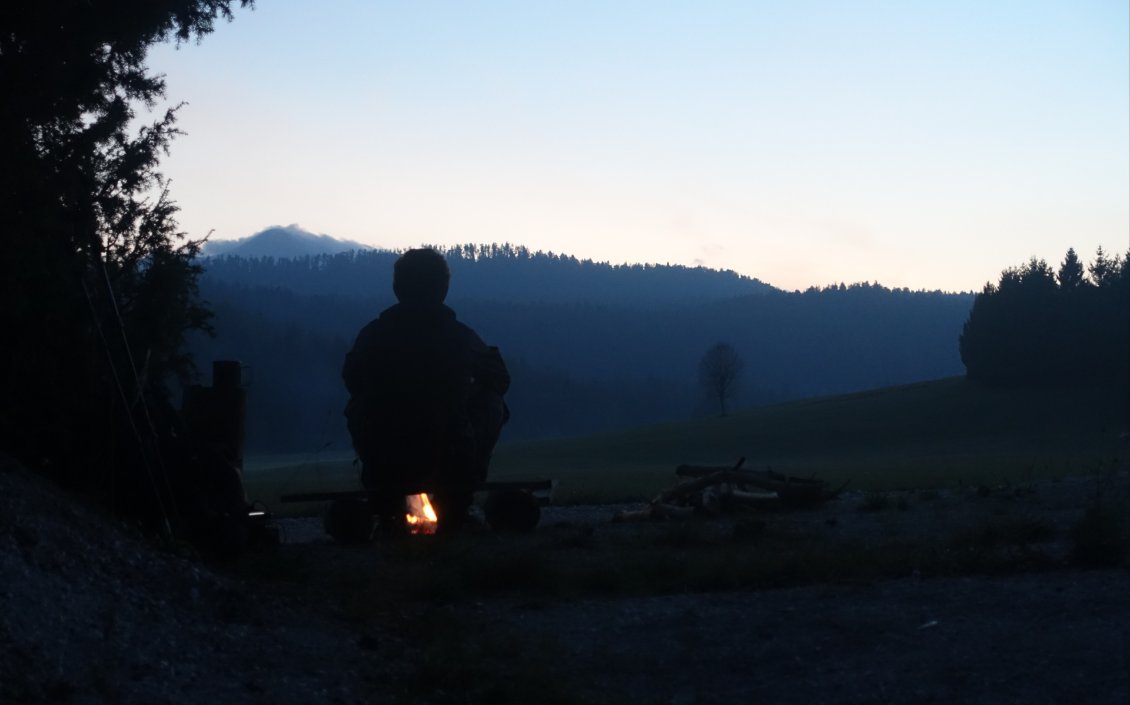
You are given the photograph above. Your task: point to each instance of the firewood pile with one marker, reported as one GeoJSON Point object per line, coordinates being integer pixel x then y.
{"type": "Point", "coordinates": [710, 490]}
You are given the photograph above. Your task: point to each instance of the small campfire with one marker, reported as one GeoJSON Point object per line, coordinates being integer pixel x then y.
{"type": "Point", "coordinates": [421, 516]}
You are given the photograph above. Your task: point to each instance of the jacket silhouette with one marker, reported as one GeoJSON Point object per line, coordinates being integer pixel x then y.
{"type": "Point", "coordinates": [426, 396]}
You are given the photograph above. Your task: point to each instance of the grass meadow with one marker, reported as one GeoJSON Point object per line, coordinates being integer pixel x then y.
{"type": "Point", "coordinates": [936, 434]}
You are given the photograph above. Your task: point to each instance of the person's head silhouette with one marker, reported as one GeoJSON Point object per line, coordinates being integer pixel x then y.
{"type": "Point", "coordinates": [420, 277]}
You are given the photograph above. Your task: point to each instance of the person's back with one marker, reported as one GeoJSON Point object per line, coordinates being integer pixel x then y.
{"type": "Point", "coordinates": [426, 394]}
{"type": "Point", "coordinates": [409, 375]}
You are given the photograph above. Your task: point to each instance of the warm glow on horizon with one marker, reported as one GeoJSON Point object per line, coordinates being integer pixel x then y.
{"type": "Point", "coordinates": [926, 146]}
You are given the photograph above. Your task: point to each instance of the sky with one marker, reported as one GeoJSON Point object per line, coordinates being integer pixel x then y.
{"type": "Point", "coordinates": [926, 145]}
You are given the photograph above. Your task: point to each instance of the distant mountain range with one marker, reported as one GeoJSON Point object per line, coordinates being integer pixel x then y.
{"type": "Point", "coordinates": [279, 241]}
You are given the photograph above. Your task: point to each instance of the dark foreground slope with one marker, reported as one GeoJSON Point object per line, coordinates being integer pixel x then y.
{"type": "Point", "coordinates": [92, 614]}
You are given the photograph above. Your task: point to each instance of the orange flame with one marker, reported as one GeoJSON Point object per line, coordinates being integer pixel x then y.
{"type": "Point", "coordinates": [421, 516]}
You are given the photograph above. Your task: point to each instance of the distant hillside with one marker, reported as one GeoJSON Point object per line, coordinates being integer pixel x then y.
{"type": "Point", "coordinates": [278, 241]}
{"type": "Point", "coordinates": [591, 346]}
{"type": "Point", "coordinates": [583, 367]}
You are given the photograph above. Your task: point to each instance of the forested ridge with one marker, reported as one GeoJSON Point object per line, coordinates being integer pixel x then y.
{"type": "Point", "coordinates": [591, 346]}
{"type": "Point", "coordinates": [500, 272]}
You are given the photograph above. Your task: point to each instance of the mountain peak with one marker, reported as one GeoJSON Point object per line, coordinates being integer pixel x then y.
{"type": "Point", "coordinates": [281, 242]}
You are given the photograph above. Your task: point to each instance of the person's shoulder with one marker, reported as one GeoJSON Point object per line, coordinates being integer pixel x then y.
{"type": "Point", "coordinates": [394, 311]}
{"type": "Point", "coordinates": [377, 325]}
{"type": "Point", "coordinates": [468, 333]}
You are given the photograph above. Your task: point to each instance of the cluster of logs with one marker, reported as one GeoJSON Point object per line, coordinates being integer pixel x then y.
{"type": "Point", "coordinates": [716, 490]}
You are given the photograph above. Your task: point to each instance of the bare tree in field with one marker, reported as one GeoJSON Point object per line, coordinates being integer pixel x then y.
{"type": "Point", "coordinates": [718, 373]}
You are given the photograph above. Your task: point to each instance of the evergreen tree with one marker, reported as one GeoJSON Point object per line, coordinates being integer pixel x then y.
{"type": "Point", "coordinates": [1103, 270]}
{"type": "Point", "coordinates": [94, 269]}
{"type": "Point", "coordinates": [1071, 275]}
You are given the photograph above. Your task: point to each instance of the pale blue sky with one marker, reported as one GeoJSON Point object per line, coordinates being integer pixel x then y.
{"type": "Point", "coordinates": [918, 144]}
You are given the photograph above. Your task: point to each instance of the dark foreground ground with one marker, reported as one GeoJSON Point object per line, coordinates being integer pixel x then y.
{"type": "Point", "coordinates": [90, 614]}
{"type": "Point", "coordinates": [1049, 638]}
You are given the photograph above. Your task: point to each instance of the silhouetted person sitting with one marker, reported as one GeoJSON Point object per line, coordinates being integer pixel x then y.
{"type": "Point", "coordinates": [426, 402]}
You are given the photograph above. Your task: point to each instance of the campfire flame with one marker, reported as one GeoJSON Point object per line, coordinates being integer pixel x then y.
{"type": "Point", "coordinates": [421, 516]}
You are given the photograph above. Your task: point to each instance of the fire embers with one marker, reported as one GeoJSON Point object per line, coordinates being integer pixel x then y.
{"type": "Point", "coordinates": [421, 516]}
{"type": "Point", "coordinates": [355, 520]}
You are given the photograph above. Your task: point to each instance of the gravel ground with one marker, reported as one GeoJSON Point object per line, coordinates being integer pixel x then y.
{"type": "Point", "coordinates": [91, 614]}
{"type": "Point", "coordinates": [1050, 637]}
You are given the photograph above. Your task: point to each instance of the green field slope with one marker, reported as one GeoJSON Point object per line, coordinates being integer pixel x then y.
{"type": "Point", "coordinates": [941, 433]}
{"type": "Point", "coordinates": [936, 433]}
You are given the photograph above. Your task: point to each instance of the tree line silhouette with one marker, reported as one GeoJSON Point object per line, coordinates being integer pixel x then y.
{"type": "Point", "coordinates": [500, 272]}
{"type": "Point", "coordinates": [1043, 326]}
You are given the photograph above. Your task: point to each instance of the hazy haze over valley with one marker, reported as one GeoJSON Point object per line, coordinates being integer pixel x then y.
{"type": "Point", "coordinates": [591, 346]}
